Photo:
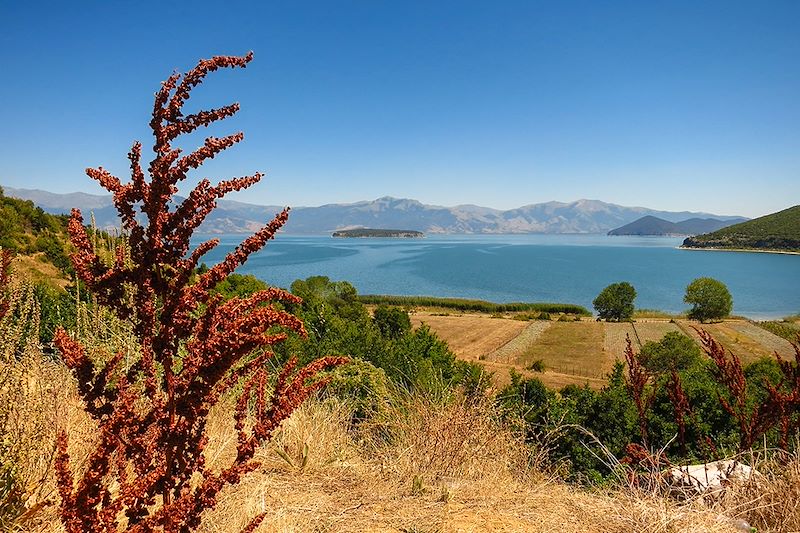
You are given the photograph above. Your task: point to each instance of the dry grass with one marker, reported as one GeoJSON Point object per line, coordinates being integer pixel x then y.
{"type": "Point", "coordinates": [437, 468]}
{"type": "Point", "coordinates": [574, 348]}
{"type": "Point", "coordinates": [734, 337]}
{"type": "Point", "coordinates": [771, 501]}
{"type": "Point", "coordinates": [36, 268]}
{"type": "Point", "coordinates": [427, 467]}
{"type": "Point", "coordinates": [471, 336]}
{"type": "Point", "coordinates": [39, 397]}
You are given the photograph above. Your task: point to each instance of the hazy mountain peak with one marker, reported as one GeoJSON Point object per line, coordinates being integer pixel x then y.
{"type": "Point", "coordinates": [580, 216]}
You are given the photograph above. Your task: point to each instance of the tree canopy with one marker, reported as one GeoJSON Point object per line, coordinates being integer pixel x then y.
{"type": "Point", "coordinates": [709, 298]}
{"type": "Point", "coordinates": [675, 351]}
{"type": "Point", "coordinates": [615, 302]}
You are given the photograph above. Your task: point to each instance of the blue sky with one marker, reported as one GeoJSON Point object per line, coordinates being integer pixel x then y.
{"type": "Point", "coordinates": [668, 105]}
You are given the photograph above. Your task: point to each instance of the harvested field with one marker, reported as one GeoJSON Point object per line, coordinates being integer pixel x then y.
{"type": "Point", "coordinates": [574, 348]}
{"type": "Point", "coordinates": [517, 346]}
{"type": "Point", "coordinates": [736, 338]}
{"type": "Point", "coordinates": [614, 336]}
{"type": "Point", "coordinates": [765, 339]}
{"type": "Point", "coordinates": [640, 333]}
{"type": "Point", "coordinates": [471, 336]}
{"type": "Point", "coordinates": [653, 330]}
{"type": "Point", "coordinates": [579, 352]}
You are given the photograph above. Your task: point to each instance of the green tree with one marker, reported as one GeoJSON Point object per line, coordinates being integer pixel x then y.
{"type": "Point", "coordinates": [709, 298]}
{"type": "Point", "coordinates": [615, 302]}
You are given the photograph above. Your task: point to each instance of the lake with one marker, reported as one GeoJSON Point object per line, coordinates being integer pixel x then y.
{"type": "Point", "coordinates": [529, 268]}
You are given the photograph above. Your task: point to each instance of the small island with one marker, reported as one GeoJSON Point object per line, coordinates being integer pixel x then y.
{"type": "Point", "coordinates": [378, 233]}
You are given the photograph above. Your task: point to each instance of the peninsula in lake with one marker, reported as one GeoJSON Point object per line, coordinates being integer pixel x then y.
{"type": "Point", "coordinates": [778, 232]}
{"type": "Point", "coordinates": [378, 233]}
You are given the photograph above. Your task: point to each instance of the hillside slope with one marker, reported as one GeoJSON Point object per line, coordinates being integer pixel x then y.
{"type": "Point", "coordinates": [27, 230]}
{"type": "Point", "coordinates": [779, 232]}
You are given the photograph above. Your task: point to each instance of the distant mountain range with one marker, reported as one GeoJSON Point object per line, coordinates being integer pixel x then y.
{"type": "Point", "coordinates": [775, 232]}
{"type": "Point", "coordinates": [582, 216]}
{"type": "Point", "coordinates": [650, 225]}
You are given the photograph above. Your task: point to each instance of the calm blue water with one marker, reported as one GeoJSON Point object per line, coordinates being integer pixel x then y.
{"type": "Point", "coordinates": [531, 268]}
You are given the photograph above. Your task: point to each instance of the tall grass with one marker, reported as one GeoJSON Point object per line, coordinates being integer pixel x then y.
{"type": "Point", "coordinates": [462, 304]}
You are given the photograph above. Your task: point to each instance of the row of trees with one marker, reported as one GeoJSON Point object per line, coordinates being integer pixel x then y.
{"type": "Point", "coordinates": [709, 298]}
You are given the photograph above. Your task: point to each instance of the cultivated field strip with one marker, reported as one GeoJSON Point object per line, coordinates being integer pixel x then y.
{"type": "Point", "coordinates": [614, 338]}
{"type": "Point", "coordinates": [571, 348]}
{"type": "Point", "coordinates": [766, 339]}
{"type": "Point", "coordinates": [743, 342]}
{"type": "Point", "coordinates": [653, 330]}
{"type": "Point", "coordinates": [471, 336]}
{"type": "Point", "coordinates": [517, 346]}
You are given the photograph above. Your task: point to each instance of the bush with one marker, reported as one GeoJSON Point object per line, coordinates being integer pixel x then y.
{"type": "Point", "coordinates": [462, 304]}
{"type": "Point", "coordinates": [393, 322]}
{"type": "Point", "coordinates": [365, 388]}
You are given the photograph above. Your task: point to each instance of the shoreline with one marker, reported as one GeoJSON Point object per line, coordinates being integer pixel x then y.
{"type": "Point", "coordinates": [755, 250]}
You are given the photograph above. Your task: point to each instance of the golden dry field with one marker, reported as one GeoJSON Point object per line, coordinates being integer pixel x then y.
{"type": "Point", "coordinates": [580, 352]}
{"type": "Point", "coordinates": [745, 339]}
{"type": "Point", "coordinates": [471, 336]}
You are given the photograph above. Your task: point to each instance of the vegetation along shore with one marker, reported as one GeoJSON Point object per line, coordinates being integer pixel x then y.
{"type": "Point", "coordinates": [776, 232]}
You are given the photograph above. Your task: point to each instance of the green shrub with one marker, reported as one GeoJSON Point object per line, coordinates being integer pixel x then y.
{"type": "Point", "coordinates": [393, 322]}
{"type": "Point", "coordinates": [537, 366]}
{"type": "Point", "coordinates": [363, 386]}
{"type": "Point", "coordinates": [675, 351]}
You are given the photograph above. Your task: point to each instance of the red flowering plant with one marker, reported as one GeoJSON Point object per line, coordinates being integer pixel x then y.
{"type": "Point", "coordinates": [147, 470]}
{"type": "Point", "coordinates": [777, 410]}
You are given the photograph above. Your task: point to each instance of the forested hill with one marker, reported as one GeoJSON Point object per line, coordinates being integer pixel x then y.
{"type": "Point", "coordinates": [779, 231]}
{"type": "Point", "coordinates": [27, 230]}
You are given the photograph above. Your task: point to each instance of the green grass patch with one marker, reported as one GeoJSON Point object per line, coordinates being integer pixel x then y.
{"type": "Point", "coordinates": [655, 313]}
{"type": "Point", "coordinates": [462, 304]}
